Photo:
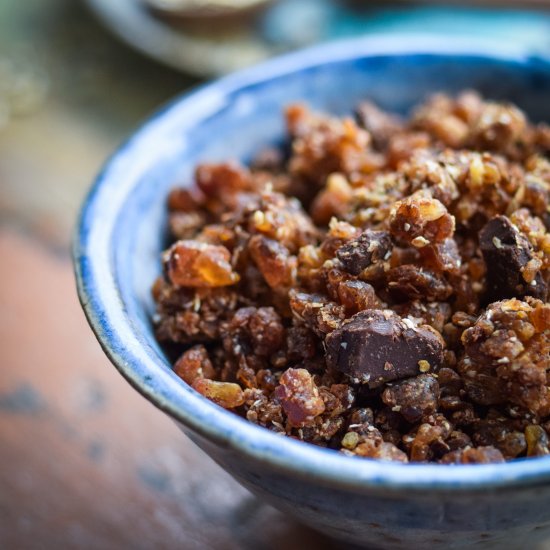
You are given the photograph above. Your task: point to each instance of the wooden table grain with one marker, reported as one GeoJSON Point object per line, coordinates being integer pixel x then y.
{"type": "Point", "coordinates": [86, 462]}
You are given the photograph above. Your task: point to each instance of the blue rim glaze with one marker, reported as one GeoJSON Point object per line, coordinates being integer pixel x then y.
{"type": "Point", "coordinates": [144, 367]}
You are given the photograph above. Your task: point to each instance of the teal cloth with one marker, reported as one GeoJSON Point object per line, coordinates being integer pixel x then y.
{"type": "Point", "coordinates": [300, 22]}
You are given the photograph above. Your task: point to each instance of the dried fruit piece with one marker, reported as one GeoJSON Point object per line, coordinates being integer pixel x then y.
{"type": "Point", "coordinates": [442, 257]}
{"type": "Point", "coordinates": [381, 451]}
{"type": "Point", "coordinates": [499, 431]}
{"type": "Point", "coordinates": [440, 117]}
{"type": "Point", "coordinates": [316, 311]}
{"type": "Point", "coordinates": [222, 185]}
{"type": "Point", "coordinates": [498, 126]}
{"type": "Point", "coordinates": [421, 216]}
{"type": "Point", "coordinates": [191, 315]}
{"type": "Point", "coordinates": [194, 364]}
{"type": "Point", "coordinates": [257, 331]}
{"type": "Point", "coordinates": [283, 219]}
{"type": "Point", "coordinates": [356, 296]}
{"type": "Point", "coordinates": [480, 455]}
{"type": "Point", "coordinates": [428, 436]}
{"type": "Point", "coordinates": [324, 145]}
{"type": "Point", "coordinates": [299, 397]}
{"type": "Point", "coordinates": [184, 199]}
{"type": "Point", "coordinates": [333, 200]}
{"type": "Point", "coordinates": [275, 263]}
{"type": "Point", "coordinates": [225, 394]}
{"type": "Point", "coordinates": [197, 264]}
{"type": "Point", "coordinates": [380, 125]}
{"type": "Point", "coordinates": [185, 225]}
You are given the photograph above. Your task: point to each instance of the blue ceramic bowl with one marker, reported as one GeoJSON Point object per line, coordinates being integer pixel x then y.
{"type": "Point", "coordinates": [121, 233]}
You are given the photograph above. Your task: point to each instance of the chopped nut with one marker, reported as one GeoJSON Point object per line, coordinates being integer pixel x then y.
{"type": "Point", "coordinates": [420, 242]}
{"type": "Point", "coordinates": [423, 365]}
{"type": "Point", "coordinates": [350, 440]}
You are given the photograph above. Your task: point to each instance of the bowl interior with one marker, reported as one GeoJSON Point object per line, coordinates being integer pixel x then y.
{"type": "Point", "coordinates": [123, 224]}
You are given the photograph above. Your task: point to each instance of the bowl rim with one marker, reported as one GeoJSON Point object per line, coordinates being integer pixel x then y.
{"type": "Point", "coordinates": [136, 360]}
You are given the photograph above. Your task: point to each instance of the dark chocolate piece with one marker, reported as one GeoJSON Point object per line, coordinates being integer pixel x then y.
{"type": "Point", "coordinates": [370, 247]}
{"type": "Point", "coordinates": [376, 346]}
{"type": "Point", "coordinates": [506, 252]}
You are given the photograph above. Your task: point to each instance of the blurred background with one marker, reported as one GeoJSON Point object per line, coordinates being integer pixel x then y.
{"type": "Point", "coordinates": [85, 462]}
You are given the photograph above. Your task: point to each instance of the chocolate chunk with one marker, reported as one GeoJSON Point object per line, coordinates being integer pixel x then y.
{"type": "Point", "coordinates": [376, 346]}
{"type": "Point", "coordinates": [506, 252]}
{"type": "Point", "coordinates": [370, 247]}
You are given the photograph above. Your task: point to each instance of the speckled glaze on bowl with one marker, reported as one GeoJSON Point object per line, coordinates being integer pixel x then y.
{"type": "Point", "coordinates": [122, 230]}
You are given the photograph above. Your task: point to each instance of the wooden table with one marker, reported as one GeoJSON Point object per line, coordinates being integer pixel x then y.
{"type": "Point", "coordinates": [86, 462]}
